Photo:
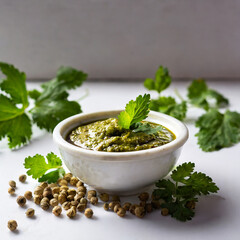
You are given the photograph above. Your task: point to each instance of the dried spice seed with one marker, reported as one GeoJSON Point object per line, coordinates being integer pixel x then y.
{"type": "Point", "coordinates": [164, 211]}
{"type": "Point", "coordinates": [22, 178]}
{"type": "Point", "coordinates": [121, 212]}
{"type": "Point", "coordinates": [88, 213]}
{"type": "Point", "coordinates": [71, 191]}
{"type": "Point", "coordinates": [74, 181]}
{"type": "Point", "coordinates": [53, 202]}
{"type": "Point", "coordinates": [81, 207]}
{"type": "Point", "coordinates": [82, 189]}
{"type": "Point", "coordinates": [70, 198]}
{"type": "Point", "coordinates": [64, 188]}
{"type": "Point", "coordinates": [37, 199]}
{"type": "Point", "coordinates": [55, 196]}
{"type": "Point", "coordinates": [43, 185]}
{"type": "Point", "coordinates": [142, 204]}
{"type": "Point", "coordinates": [12, 184]}
{"type": "Point", "coordinates": [52, 185]}
{"type": "Point", "coordinates": [94, 200]}
{"type": "Point", "coordinates": [116, 207]}
{"type": "Point", "coordinates": [191, 205]}
{"type": "Point", "coordinates": [62, 198]}
{"type": "Point", "coordinates": [83, 201]}
{"type": "Point", "coordinates": [68, 177]}
{"type": "Point", "coordinates": [74, 203]}
{"type": "Point", "coordinates": [44, 204]}
{"type": "Point", "coordinates": [55, 190]}
{"type": "Point", "coordinates": [148, 207]}
{"type": "Point", "coordinates": [21, 201]}
{"type": "Point", "coordinates": [66, 205]}
{"type": "Point", "coordinates": [28, 195]}
{"type": "Point", "coordinates": [126, 206]}
{"type": "Point", "coordinates": [78, 197]}
{"type": "Point", "coordinates": [112, 205]}
{"type": "Point", "coordinates": [132, 208]}
{"type": "Point", "coordinates": [106, 206]}
{"type": "Point", "coordinates": [12, 225]}
{"type": "Point", "coordinates": [93, 193]}
{"type": "Point", "coordinates": [79, 184]}
{"type": "Point", "coordinates": [11, 190]}
{"type": "Point", "coordinates": [143, 196]}
{"type": "Point", "coordinates": [38, 190]}
{"type": "Point", "coordinates": [104, 197]}
{"type": "Point", "coordinates": [57, 210]}
{"type": "Point", "coordinates": [71, 213]}
{"type": "Point", "coordinates": [156, 204]}
{"type": "Point", "coordinates": [62, 182]}
{"type": "Point", "coordinates": [140, 212]}
{"type": "Point", "coordinates": [30, 212]}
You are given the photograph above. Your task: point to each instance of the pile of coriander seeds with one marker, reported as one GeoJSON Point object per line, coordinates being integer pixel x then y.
{"type": "Point", "coordinates": [70, 194]}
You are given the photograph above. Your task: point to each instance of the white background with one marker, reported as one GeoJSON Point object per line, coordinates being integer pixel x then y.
{"type": "Point", "coordinates": [217, 216]}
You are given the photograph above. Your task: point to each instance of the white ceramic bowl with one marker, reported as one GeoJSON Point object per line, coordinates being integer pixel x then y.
{"type": "Point", "coordinates": [120, 172]}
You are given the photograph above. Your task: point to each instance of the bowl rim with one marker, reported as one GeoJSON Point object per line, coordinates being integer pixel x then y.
{"type": "Point", "coordinates": [164, 149]}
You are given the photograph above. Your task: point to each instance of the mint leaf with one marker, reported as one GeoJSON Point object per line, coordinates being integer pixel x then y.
{"type": "Point", "coordinates": [52, 104]}
{"type": "Point", "coordinates": [161, 82]}
{"type": "Point", "coordinates": [169, 106]}
{"type": "Point", "coordinates": [217, 130]}
{"type": "Point", "coordinates": [135, 111]}
{"type": "Point", "coordinates": [200, 95]}
{"type": "Point", "coordinates": [38, 167]}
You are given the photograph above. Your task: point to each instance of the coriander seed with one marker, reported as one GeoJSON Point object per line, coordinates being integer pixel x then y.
{"type": "Point", "coordinates": [57, 210]}
{"type": "Point", "coordinates": [30, 212]}
{"type": "Point", "coordinates": [93, 193]}
{"type": "Point", "coordinates": [68, 177]}
{"type": "Point", "coordinates": [83, 201]}
{"type": "Point", "coordinates": [62, 182]}
{"type": "Point", "coordinates": [21, 201]}
{"type": "Point", "coordinates": [70, 197]}
{"type": "Point", "coordinates": [104, 197]}
{"type": "Point", "coordinates": [121, 212]}
{"type": "Point", "coordinates": [106, 206]}
{"type": "Point", "coordinates": [71, 191]}
{"type": "Point", "coordinates": [62, 198]}
{"type": "Point", "coordinates": [12, 184]}
{"type": "Point", "coordinates": [156, 204]}
{"type": "Point", "coordinates": [37, 199]}
{"type": "Point", "coordinates": [66, 205]}
{"type": "Point", "coordinates": [112, 205]}
{"type": "Point", "coordinates": [22, 178]}
{"type": "Point", "coordinates": [116, 207]}
{"type": "Point", "coordinates": [82, 189]}
{"type": "Point", "coordinates": [12, 225]}
{"type": "Point", "coordinates": [81, 207]}
{"type": "Point", "coordinates": [28, 195]}
{"type": "Point", "coordinates": [142, 203]}
{"type": "Point", "coordinates": [43, 185]}
{"type": "Point", "coordinates": [79, 184]}
{"type": "Point", "coordinates": [52, 185]}
{"type": "Point", "coordinates": [164, 211]}
{"type": "Point", "coordinates": [11, 190]}
{"type": "Point", "coordinates": [38, 190]}
{"type": "Point", "coordinates": [71, 213]}
{"type": "Point", "coordinates": [126, 206]}
{"type": "Point", "coordinates": [64, 188]}
{"type": "Point", "coordinates": [115, 198]}
{"type": "Point", "coordinates": [132, 208]}
{"type": "Point", "coordinates": [139, 212]}
{"type": "Point", "coordinates": [44, 204]}
{"type": "Point", "coordinates": [55, 196]}
{"type": "Point", "coordinates": [191, 204]}
{"type": "Point", "coordinates": [148, 207]}
{"type": "Point", "coordinates": [88, 213]}
{"type": "Point", "coordinates": [94, 200]}
{"type": "Point", "coordinates": [78, 197]}
{"type": "Point", "coordinates": [53, 202]}
{"type": "Point", "coordinates": [74, 181]}
{"type": "Point", "coordinates": [74, 203]}
{"type": "Point", "coordinates": [56, 190]}
{"type": "Point", "coordinates": [143, 196]}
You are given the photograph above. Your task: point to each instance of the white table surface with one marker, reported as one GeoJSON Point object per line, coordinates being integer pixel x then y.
{"type": "Point", "coordinates": [217, 216]}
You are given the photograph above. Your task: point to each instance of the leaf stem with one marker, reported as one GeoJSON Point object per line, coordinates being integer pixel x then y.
{"type": "Point", "coordinates": [178, 94]}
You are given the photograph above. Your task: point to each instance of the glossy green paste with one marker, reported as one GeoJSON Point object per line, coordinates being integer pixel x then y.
{"type": "Point", "coordinates": [108, 136]}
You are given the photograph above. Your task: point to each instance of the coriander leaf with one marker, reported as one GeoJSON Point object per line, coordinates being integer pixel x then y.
{"type": "Point", "coordinates": [161, 82]}
{"type": "Point", "coordinates": [202, 184]}
{"type": "Point", "coordinates": [38, 167]}
{"type": "Point", "coordinates": [217, 130]}
{"type": "Point", "coordinates": [179, 211]}
{"type": "Point", "coordinates": [166, 190]}
{"type": "Point", "coordinates": [200, 95]}
{"type": "Point", "coordinates": [18, 130]}
{"type": "Point", "coordinates": [135, 111]}
{"type": "Point", "coordinates": [14, 84]}
{"type": "Point", "coordinates": [169, 106]}
{"type": "Point", "coordinates": [182, 171]}
{"type": "Point", "coordinates": [146, 128]}
{"type": "Point", "coordinates": [34, 94]}
{"type": "Point", "coordinates": [49, 113]}
{"type": "Point", "coordinates": [52, 105]}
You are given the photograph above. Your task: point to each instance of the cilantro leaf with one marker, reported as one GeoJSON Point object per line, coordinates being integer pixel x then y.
{"type": "Point", "coordinates": [34, 94]}
{"type": "Point", "coordinates": [146, 128]}
{"type": "Point", "coordinates": [200, 95]}
{"type": "Point", "coordinates": [180, 197]}
{"type": "Point", "coordinates": [52, 105]}
{"type": "Point", "coordinates": [169, 106]}
{"type": "Point", "coordinates": [14, 123]}
{"type": "Point", "coordinates": [217, 130]}
{"type": "Point", "coordinates": [161, 82]}
{"type": "Point", "coordinates": [135, 111]}
{"type": "Point", "coordinates": [38, 167]}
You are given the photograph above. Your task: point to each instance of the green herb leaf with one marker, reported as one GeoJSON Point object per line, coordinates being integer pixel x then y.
{"type": "Point", "coordinates": [52, 105]}
{"type": "Point", "coordinates": [161, 82]}
{"type": "Point", "coordinates": [146, 128]}
{"type": "Point", "coordinates": [38, 167]}
{"type": "Point", "coordinates": [200, 95]}
{"type": "Point", "coordinates": [188, 185]}
{"type": "Point", "coordinates": [217, 130]}
{"type": "Point", "coordinates": [14, 123]}
{"type": "Point", "coordinates": [135, 111]}
{"type": "Point", "coordinates": [169, 106]}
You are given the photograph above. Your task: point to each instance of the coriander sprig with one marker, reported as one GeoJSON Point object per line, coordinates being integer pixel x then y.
{"type": "Point", "coordinates": [180, 194]}
{"type": "Point", "coordinates": [51, 104]}
{"type": "Point", "coordinates": [216, 130]}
